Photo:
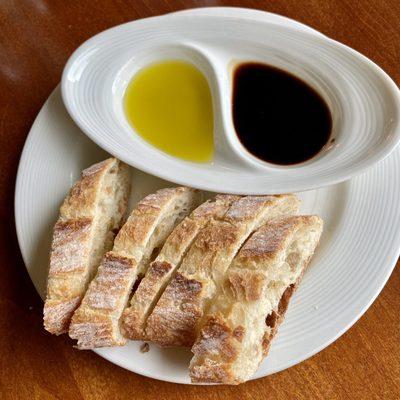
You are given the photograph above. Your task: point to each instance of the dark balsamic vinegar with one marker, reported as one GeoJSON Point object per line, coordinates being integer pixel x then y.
{"type": "Point", "coordinates": [278, 117]}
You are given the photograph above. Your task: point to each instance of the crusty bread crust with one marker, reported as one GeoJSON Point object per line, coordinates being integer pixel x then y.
{"type": "Point", "coordinates": [162, 268]}
{"type": "Point", "coordinates": [75, 253]}
{"type": "Point", "coordinates": [277, 316]}
{"type": "Point", "coordinates": [175, 319]}
{"type": "Point", "coordinates": [96, 323]}
{"type": "Point", "coordinates": [237, 332]}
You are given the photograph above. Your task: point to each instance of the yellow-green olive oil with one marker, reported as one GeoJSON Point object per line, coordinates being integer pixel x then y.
{"type": "Point", "coordinates": [169, 104]}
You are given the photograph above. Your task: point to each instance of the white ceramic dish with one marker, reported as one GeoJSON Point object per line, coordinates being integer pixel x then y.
{"type": "Point", "coordinates": [363, 100]}
{"type": "Point", "coordinates": [358, 251]}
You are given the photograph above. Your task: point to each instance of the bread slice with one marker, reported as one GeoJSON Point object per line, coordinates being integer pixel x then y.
{"type": "Point", "coordinates": [164, 266]}
{"type": "Point", "coordinates": [175, 319]}
{"type": "Point", "coordinates": [235, 336]}
{"type": "Point", "coordinates": [89, 216]}
{"type": "Point", "coordinates": [96, 323]}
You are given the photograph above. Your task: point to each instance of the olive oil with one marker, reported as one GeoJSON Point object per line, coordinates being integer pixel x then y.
{"type": "Point", "coordinates": [169, 104]}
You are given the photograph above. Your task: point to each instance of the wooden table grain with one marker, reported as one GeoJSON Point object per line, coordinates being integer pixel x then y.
{"type": "Point", "coordinates": [36, 39]}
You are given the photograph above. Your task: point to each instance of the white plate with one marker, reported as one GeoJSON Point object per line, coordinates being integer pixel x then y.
{"type": "Point", "coordinates": [358, 251]}
{"type": "Point", "coordinates": [363, 100]}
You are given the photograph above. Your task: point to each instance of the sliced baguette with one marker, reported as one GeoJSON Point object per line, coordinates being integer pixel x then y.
{"type": "Point", "coordinates": [90, 214]}
{"type": "Point", "coordinates": [235, 336]}
{"type": "Point", "coordinates": [96, 323]}
{"type": "Point", "coordinates": [175, 319]}
{"type": "Point", "coordinates": [162, 268]}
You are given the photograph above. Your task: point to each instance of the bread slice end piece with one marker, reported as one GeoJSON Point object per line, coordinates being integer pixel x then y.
{"type": "Point", "coordinates": [243, 320]}
{"type": "Point", "coordinates": [92, 211]}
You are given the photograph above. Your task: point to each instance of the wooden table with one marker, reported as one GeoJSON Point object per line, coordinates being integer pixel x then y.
{"type": "Point", "coordinates": [36, 39]}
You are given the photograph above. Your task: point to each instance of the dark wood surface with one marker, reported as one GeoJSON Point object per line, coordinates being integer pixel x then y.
{"type": "Point", "coordinates": [36, 39]}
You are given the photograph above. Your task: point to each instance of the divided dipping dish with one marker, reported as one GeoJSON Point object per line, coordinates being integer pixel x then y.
{"type": "Point", "coordinates": [362, 100]}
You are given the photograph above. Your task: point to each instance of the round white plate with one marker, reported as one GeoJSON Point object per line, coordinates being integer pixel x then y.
{"type": "Point", "coordinates": [363, 100]}
{"type": "Point", "coordinates": [358, 250]}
